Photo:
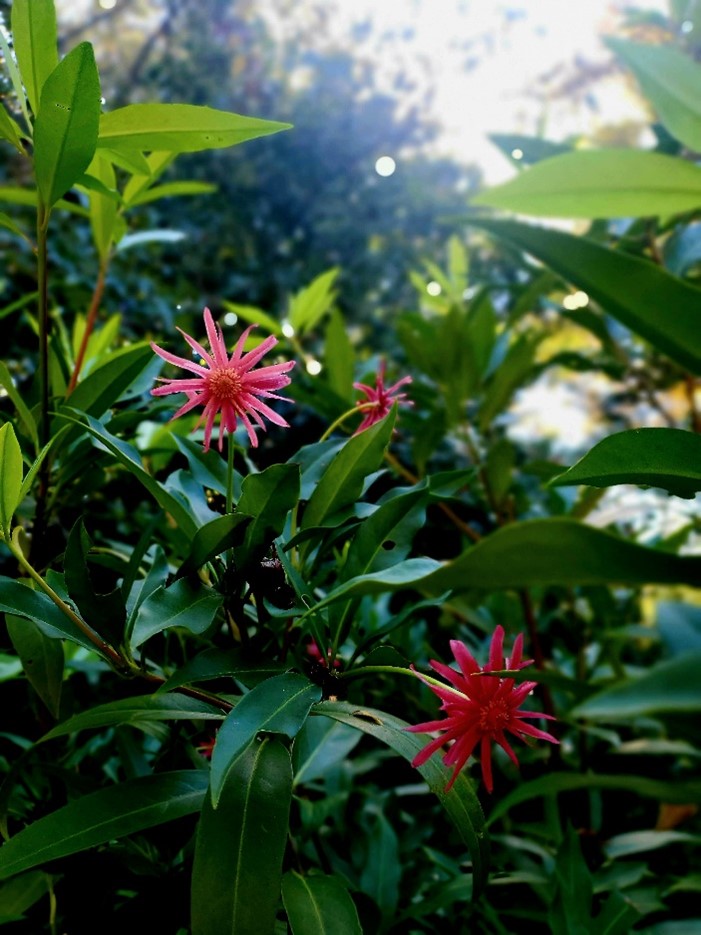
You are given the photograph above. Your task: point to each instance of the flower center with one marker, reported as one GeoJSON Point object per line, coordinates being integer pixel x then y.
{"type": "Point", "coordinates": [225, 384]}
{"type": "Point", "coordinates": [494, 716]}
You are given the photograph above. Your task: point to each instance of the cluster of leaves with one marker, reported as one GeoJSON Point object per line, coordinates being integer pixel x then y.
{"type": "Point", "coordinates": [142, 616]}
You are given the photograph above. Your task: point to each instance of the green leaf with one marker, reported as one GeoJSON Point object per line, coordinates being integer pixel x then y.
{"type": "Point", "coordinates": [570, 912]}
{"type": "Point", "coordinates": [460, 803]}
{"type": "Point", "coordinates": [255, 316]}
{"type": "Point", "coordinates": [212, 539]}
{"type": "Point", "coordinates": [319, 905]}
{"type": "Point", "coordinates": [179, 128]}
{"type": "Point", "coordinates": [104, 208]}
{"type": "Point", "coordinates": [239, 847]}
{"type": "Point", "coordinates": [29, 198]}
{"type": "Point", "coordinates": [320, 746]}
{"type": "Point", "coordinates": [638, 293]}
{"type": "Point", "coordinates": [143, 709]}
{"type": "Point", "coordinates": [23, 412]}
{"type": "Point", "coordinates": [658, 457]}
{"type": "Point", "coordinates": [559, 551]}
{"type": "Point", "coordinates": [16, 598]}
{"type": "Point", "coordinates": [129, 457]}
{"type": "Point", "coordinates": [216, 663]}
{"type": "Point", "coordinates": [671, 81]}
{"type": "Point", "coordinates": [554, 783]}
{"type": "Point", "coordinates": [385, 537]}
{"type": "Point", "coordinates": [11, 473]}
{"type": "Point", "coordinates": [342, 481]}
{"type": "Point", "coordinates": [184, 604]}
{"type": "Point", "coordinates": [19, 894]}
{"type": "Point", "coordinates": [510, 376]}
{"type": "Point", "coordinates": [339, 356]}
{"type": "Point", "coordinates": [102, 816]}
{"type": "Point", "coordinates": [6, 221]}
{"type": "Point", "coordinates": [310, 304]}
{"type": "Point", "coordinates": [34, 39]}
{"type": "Point", "coordinates": [42, 659]}
{"type": "Point", "coordinates": [171, 190]}
{"type": "Point", "coordinates": [617, 916]}
{"type": "Point", "coordinates": [207, 467]}
{"type": "Point", "coordinates": [670, 687]}
{"type": "Point", "coordinates": [606, 183]}
{"type": "Point", "coordinates": [65, 130]}
{"type": "Point", "coordinates": [279, 705]}
{"type": "Point", "coordinates": [641, 842]}
{"type": "Point", "coordinates": [106, 613]}
{"type": "Point", "coordinates": [10, 131]}
{"type": "Point", "coordinates": [381, 871]}
{"type": "Point", "coordinates": [268, 497]}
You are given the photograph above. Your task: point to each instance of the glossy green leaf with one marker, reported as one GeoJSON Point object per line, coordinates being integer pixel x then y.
{"type": "Point", "coordinates": [670, 687]}
{"type": "Point", "coordinates": [179, 128]}
{"type": "Point", "coordinates": [142, 709]}
{"type": "Point", "coordinates": [339, 356]}
{"type": "Point", "coordinates": [638, 293]}
{"type": "Point", "coordinates": [213, 538]}
{"type": "Point", "coordinates": [555, 783]}
{"type": "Point", "coordinates": [279, 705]}
{"type": "Point", "coordinates": [65, 130]}
{"type": "Point", "coordinates": [559, 551]}
{"type": "Point", "coordinates": [95, 819]}
{"type": "Point", "coordinates": [207, 467]}
{"type": "Point", "coordinates": [23, 412]}
{"type": "Point", "coordinates": [11, 474]}
{"type": "Point", "coordinates": [319, 905]}
{"type": "Point", "coordinates": [604, 183]}
{"type": "Point", "coordinates": [16, 598]}
{"type": "Point", "coordinates": [239, 847]}
{"type": "Point", "coordinates": [657, 457]}
{"type": "Point", "coordinates": [320, 746]}
{"type": "Point", "coordinates": [310, 304]}
{"type": "Point", "coordinates": [184, 604]}
{"type": "Point", "coordinates": [671, 81]}
{"type": "Point", "coordinates": [385, 537]}
{"type": "Point", "coordinates": [460, 803]}
{"type": "Point", "coordinates": [34, 40]}
{"type": "Point", "coordinates": [103, 208]}
{"type": "Point", "coordinates": [106, 613]}
{"type": "Point", "coordinates": [342, 481]}
{"type": "Point", "coordinates": [129, 457]}
{"type": "Point", "coordinates": [25, 196]}
{"type": "Point", "coordinates": [217, 663]}
{"type": "Point", "coordinates": [101, 389]}
{"type": "Point", "coordinates": [42, 659]}
{"type": "Point", "coordinates": [268, 497]}
{"type": "Point", "coordinates": [171, 190]}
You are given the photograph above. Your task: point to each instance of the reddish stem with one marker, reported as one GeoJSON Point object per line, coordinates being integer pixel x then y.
{"type": "Point", "coordinates": [90, 322]}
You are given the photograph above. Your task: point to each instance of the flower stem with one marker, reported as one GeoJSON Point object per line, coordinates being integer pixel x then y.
{"type": "Point", "coordinates": [359, 407]}
{"type": "Point", "coordinates": [398, 670]}
{"type": "Point", "coordinates": [90, 321]}
{"type": "Point", "coordinates": [230, 475]}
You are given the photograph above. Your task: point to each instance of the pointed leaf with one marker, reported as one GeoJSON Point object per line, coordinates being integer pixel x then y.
{"type": "Point", "coordinates": [672, 82]}
{"type": "Point", "coordinates": [279, 705]}
{"type": "Point", "coordinates": [385, 538]}
{"type": "Point", "coordinates": [106, 612]}
{"type": "Point", "coordinates": [658, 457]}
{"type": "Point", "coordinates": [65, 130]}
{"type": "Point", "coordinates": [42, 659]}
{"type": "Point", "coordinates": [171, 190]}
{"type": "Point", "coordinates": [102, 816]}
{"type": "Point", "coordinates": [217, 663]}
{"type": "Point", "coordinates": [179, 128]}
{"type": "Point", "coordinates": [34, 40]}
{"type": "Point", "coordinates": [184, 604]}
{"type": "Point", "coordinates": [656, 305]}
{"type": "Point", "coordinates": [104, 207]}
{"type": "Point", "coordinates": [16, 598]}
{"type": "Point", "coordinates": [268, 497]}
{"type": "Point", "coordinates": [23, 412]}
{"type": "Point", "coordinates": [11, 473]}
{"type": "Point", "coordinates": [319, 905]}
{"type": "Point", "coordinates": [239, 847]}
{"type": "Point", "coordinates": [461, 803]}
{"type": "Point", "coordinates": [213, 538]}
{"type": "Point", "coordinates": [320, 746]}
{"type": "Point", "coordinates": [310, 304]}
{"type": "Point", "coordinates": [607, 183]}
{"type": "Point", "coordinates": [141, 710]}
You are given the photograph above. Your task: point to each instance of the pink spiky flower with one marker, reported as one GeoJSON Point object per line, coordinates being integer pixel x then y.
{"type": "Point", "coordinates": [227, 385]}
{"type": "Point", "coordinates": [381, 397]}
{"type": "Point", "coordinates": [480, 709]}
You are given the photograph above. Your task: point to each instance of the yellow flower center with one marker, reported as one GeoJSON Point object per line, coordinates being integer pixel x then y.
{"type": "Point", "coordinates": [494, 716]}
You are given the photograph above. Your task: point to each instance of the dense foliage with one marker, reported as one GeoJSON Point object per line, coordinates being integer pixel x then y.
{"type": "Point", "coordinates": [230, 635]}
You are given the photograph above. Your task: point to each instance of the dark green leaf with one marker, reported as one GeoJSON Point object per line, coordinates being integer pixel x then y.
{"type": "Point", "coordinates": [321, 745]}
{"type": "Point", "coordinates": [617, 916]}
{"type": "Point", "coordinates": [604, 183]}
{"type": "Point", "coordinates": [570, 912]}
{"type": "Point", "coordinates": [670, 687]}
{"type": "Point", "coordinates": [385, 538]}
{"type": "Point", "coordinates": [65, 130]}
{"type": "Point", "coordinates": [279, 705]}
{"type": "Point", "coordinates": [672, 82]}
{"type": "Point", "coordinates": [184, 604]}
{"type": "Point", "coordinates": [268, 497]}
{"type": "Point", "coordinates": [207, 467]}
{"type": "Point", "coordinates": [16, 598]}
{"type": "Point", "coordinates": [657, 457]}
{"type": "Point", "coordinates": [461, 803]}
{"type": "Point", "coordinates": [42, 659]}
{"type": "Point", "coordinates": [34, 40]}
{"type": "Point", "coordinates": [218, 663]}
{"type": "Point", "coordinates": [510, 376]}
{"type": "Point", "coordinates": [179, 128]}
{"type": "Point", "coordinates": [103, 816]}
{"type": "Point", "coordinates": [636, 292]}
{"type": "Point", "coordinates": [106, 613]}
{"type": "Point", "coordinates": [106, 383]}
{"type": "Point", "coordinates": [23, 412]}
{"type": "Point", "coordinates": [319, 905]}
{"type": "Point", "coordinates": [339, 356]}
{"type": "Point", "coordinates": [212, 539]}
{"type": "Point", "coordinates": [239, 848]}
{"type": "Point", "coordinates": [140, 710]}
{"type": "Point", "coordinates": [382, 869]}
{"type": "Point", "coordinates": [18, 895]}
